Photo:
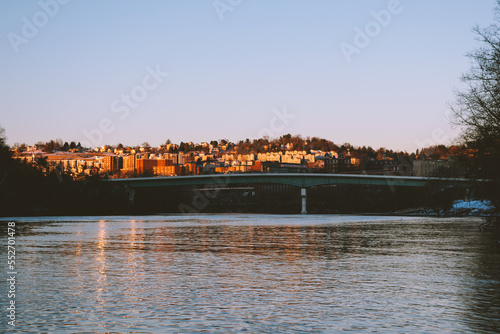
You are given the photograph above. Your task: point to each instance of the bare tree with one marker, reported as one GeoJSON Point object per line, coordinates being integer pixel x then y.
{"type": "Point", "coordinates": [477, 106]}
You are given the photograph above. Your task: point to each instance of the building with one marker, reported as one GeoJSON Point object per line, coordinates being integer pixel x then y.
{"type": "Point", "coordinates": [144, 165]}
{"type": "Point", "coordinates": [428, 168]}
{"type": "Point", "coordinates": [130, 162]}
{"type": "Point", "coordinates": [170, 170]}
{"type": "Point", "coordinates": [111, 163]}
{"type": "Point", "coordinates": [177, 158]}
{"type": "Point", "coordinates": [277, 167]}
{"type": "Point", "coordinates": [193, 168]}
{"type": "Point", "coordinates": [338, 164]}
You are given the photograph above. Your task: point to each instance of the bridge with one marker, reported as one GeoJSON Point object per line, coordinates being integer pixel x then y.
{"type": "Point", "coordinates": [302, 180]}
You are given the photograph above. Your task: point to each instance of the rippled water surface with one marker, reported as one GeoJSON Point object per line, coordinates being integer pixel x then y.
{"type": "Point", "coordinates": [254, 273]}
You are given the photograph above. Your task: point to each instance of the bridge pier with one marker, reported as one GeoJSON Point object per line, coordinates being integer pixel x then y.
{"type": "Point", "coordinates": [131, 196]}
{"type": "Point", "coordinates": [303, 194]}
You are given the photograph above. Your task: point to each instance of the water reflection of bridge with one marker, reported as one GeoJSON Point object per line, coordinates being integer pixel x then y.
{"type": "Point", "coordinates": [302, 180]}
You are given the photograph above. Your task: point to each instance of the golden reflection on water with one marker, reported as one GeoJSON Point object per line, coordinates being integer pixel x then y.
{"type": "Point", "coordinates": [78, 250]}
{"type": "Point", "coordinates": [101, 268]}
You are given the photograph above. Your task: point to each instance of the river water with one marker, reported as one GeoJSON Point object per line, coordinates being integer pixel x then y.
{"type": "Point", "coordinates": [254, 273]}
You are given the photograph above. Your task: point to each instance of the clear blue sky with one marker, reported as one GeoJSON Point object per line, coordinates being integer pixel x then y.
{"type": "Point", "coordinates": [226, 78]}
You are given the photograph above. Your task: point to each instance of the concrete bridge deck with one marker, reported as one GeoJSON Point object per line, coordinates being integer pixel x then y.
{"type": "Point", "coordinates": [303, 180]}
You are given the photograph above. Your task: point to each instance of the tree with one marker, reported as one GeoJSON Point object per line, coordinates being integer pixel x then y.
{"type": "Point", "coordinates": [184, 147]}
{"type": "Point", "coordinates": [477, 106]}
{"type": "Point", "coordinates": [49, 146]}
{"type": "Point", "coordinates": [5, 153]}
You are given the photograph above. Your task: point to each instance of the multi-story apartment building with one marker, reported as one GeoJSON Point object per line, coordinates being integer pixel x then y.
{"type": "Point", "coordinates": [130, 162]}
{"type": "Point", "coordinates": [144, 165]}
{"type": "Point", "coordinates": [111, 163]}
{"type": "Point", "coordinates": [427, 168]}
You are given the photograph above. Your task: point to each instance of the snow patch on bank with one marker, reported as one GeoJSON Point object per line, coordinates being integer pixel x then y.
{"type": "Point", "coordinates": [473, 207]}
{"type": "Point", "coordinates": [459, 208]}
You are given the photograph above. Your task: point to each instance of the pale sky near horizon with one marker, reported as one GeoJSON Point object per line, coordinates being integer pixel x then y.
{"type": "Point", "coordinates": [233, 72]}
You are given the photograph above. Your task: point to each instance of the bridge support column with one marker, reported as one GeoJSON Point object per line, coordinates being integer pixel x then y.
{"type": "Point", "coordinates": [303, 195]}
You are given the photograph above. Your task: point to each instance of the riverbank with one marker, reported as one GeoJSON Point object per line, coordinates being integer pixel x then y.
{"type": "Point", "coordinates": [459, 208]}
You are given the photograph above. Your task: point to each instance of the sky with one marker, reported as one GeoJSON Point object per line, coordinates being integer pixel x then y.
{"type": "Point", "coordinates": [365, 72]}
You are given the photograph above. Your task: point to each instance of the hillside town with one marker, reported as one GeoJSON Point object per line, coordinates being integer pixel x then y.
{"type": "Point", "coordinates": [288, 154]}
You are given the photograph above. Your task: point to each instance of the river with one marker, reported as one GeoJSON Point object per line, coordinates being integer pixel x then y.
{"type": "Point", "coordinates": [253, 273]}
